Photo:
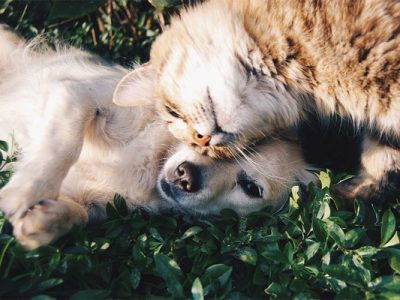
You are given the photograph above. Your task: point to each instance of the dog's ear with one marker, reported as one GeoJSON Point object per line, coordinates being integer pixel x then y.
{"type": "Point", "coordinates": [136, 88]}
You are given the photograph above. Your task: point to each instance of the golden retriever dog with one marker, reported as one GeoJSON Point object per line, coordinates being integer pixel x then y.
{"type": "Point", "coordinates": [76, 149]}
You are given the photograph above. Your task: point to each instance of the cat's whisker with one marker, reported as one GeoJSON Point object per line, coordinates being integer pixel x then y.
{"type": "Point", "coordinates": [256, 166]}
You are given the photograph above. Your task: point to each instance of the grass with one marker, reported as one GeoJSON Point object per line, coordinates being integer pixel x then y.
{"type": "Point", "coordinates": [318, 248]}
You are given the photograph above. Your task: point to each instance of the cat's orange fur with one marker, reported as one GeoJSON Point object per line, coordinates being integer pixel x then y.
{"type": "Point", "coordinates": [235, 72]}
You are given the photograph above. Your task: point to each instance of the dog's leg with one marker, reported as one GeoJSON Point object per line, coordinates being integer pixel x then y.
{"type": "Point", "coordinates": [9, 42]}
{"type": "Point", "coordinates": [47, 220]}
{"type": "Point", "coordinates": [379, 177]}
{"type": "Point", "coordinates": [56, 144]}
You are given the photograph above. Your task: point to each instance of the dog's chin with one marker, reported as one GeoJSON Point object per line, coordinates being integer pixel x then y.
{"type": "Point", "coordinates": [166, 192]}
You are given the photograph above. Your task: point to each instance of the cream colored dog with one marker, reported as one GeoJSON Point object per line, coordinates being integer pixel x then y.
{"type": "Point", "coordinates": [76, 149]}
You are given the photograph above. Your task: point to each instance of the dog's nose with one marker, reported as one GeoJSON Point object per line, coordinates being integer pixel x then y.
{"type": "Point", "coordinates": [187, 177]}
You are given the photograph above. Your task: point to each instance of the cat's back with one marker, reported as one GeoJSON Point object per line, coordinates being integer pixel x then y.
{"type": "Point", "coordinates": [342, 51]}
{"type": "Point", "coordinates": [333, 26]}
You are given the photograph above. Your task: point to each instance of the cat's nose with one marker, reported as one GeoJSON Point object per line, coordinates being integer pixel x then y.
{"type": "Point", "coordinates": [187, 177]}
{"type": "Point", "coordinates": [202, 140]}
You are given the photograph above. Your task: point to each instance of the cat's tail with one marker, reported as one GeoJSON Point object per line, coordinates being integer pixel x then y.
{"type": "Point", "coordinates": [11, 48]}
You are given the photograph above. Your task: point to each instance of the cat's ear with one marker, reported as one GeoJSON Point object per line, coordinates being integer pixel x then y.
{"type": "Point", "coordinates": [136, 88]}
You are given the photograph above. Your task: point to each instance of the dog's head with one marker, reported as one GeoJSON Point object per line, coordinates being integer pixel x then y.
{"type": "Point", "coordinates": [203, 185]}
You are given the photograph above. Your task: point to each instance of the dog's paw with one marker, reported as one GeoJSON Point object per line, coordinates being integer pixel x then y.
{"type": "Point", "coordinates": [45, 222]}
{"type": "Point", "coordinates": [14, 202]}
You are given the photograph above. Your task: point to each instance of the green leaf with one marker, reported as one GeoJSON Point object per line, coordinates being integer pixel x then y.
{"type": "Point", "coordinates": [294, 198]}
{"type": "Point", "coordinates": [312, 249]}
{"type": "Point", "coordinates": [273, 253]}
{"type": "Point", "coordinates": [345, 273]}
{"type": "Point", "coordinates": [360, 210]}
{"type": "Point", "coordinates": [90, 294]}
{"type": "Point", "coordinates": [191, 232]}
{"type": "Point", "coordinates": [9, 240]}
{"type": "Point", "coordinates": [349, 293]}
{"type": "Point", "coordinates": [335, 232]}
{"type": "Point", "coordinates": [169, 270]}
{"type": "Point", "coordinates": [135, 278]}
{"type": "Point", "coordinates": [324, 211]}
{"type": "Point", "coordinates": [216, 273]}
{"type": "Point", "coordinates": [390, 283]}
{"type": "Point", "coordinates": [120, 205]}
{"type": "Point", "coordinates": [42, 297]}
{"type": "Point", "coordinates": [394, 263]}
{"type": "Point", "coordinates": [3, 6]}
{"type": "Point", "coordinates": [160, 5]}
{"type": "Point", "coordinates": [49, 283]}
{"type": "Point", "coordinates": [247, 255]}
{"type": "Point", "coordinates": [367, 251]}
{"type": "Point", "coordinates": [394, 241]}
{"type": "Point", "coordinates": [289, 252]}
{"type": "Point", "coordinates": [155, 234]}
{"type": "Point", "coordinates": [353, 237]}
{"type": "Point", "coordinates": [111, 211]}
{"type": "Point", "coordinates": [66, 9]}
{"type": "Point", "coordinates": [276, 290]}
{"type": "Point", "coordinates": [319, 229]}
{"type": "Point", "coordinates": [388, 227]}
{"type": "Point", "coordinates": [3, 146]}
{"type": "Point", "coordinates": [197, 290]}
{"type": "Point", "coordinates": [325, 179]}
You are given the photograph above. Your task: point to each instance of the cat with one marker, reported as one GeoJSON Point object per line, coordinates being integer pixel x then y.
{"type": "Point", "coordinates": [76, 149]}
{"type": "Point", "coordinates": [229, 73]}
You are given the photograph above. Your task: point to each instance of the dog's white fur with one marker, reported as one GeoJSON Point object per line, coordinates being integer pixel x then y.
{"type": "Point", "coordinates": [77, 149]}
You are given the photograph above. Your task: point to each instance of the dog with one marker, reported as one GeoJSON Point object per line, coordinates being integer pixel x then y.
{"type": "Point", "coordinates": [76, 149]}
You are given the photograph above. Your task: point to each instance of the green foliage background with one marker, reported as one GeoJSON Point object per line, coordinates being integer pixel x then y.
{"type": "Point", "coordinates": [318, 248]}
{"type": "Point", "coordinates": [122, 30]}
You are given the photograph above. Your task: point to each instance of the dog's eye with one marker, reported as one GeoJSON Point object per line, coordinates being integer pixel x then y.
{"type": "Point", "coordinates": [173, 112]}
{"type": "Point", "coordinates": [251, 188]}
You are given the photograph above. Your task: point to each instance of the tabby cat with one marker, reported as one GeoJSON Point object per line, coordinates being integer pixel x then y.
{"type": "Point", "coordinates": [230, 73]}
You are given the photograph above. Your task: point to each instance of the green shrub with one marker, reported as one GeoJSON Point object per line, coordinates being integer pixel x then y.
{"type": "Point", "coordinates": [121, 30]}
{"type": "Point", "coordinates": [315, 249]}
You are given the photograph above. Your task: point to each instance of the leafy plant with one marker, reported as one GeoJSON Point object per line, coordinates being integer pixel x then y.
{"type": "Point", "coordinates": [121, 30]}
{"type": "Point", "coordinates": [316, 249]}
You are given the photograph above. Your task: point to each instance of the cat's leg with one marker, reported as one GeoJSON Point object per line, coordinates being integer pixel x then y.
{"type": "Point", "coordinates": [47, 220]}
{"type": "Point", "coordinates": [379, 176]}
{"type": "Point", "coordinates": [67, 110]}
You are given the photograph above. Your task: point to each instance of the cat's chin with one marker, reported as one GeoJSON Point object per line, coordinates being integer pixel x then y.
{"type": "Point", "coordinates": [219, 152]}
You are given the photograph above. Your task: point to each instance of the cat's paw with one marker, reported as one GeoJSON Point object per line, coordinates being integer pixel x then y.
{"type": "Point", "coordinates": [356, 187]}
{"type": "Point", "coordinates": [45, 222]}
{"type": "Point", "coordinates": [370, 189]}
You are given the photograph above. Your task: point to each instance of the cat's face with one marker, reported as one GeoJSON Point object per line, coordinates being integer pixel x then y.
{"type": "Point", "coordinates": [212, 104]}
{"type": "Point", "coordinates": [214, 90]}
{"type": "Point", "coordinates": [200, 184]}
{"type": "Point", "coordinates": [217, 101]}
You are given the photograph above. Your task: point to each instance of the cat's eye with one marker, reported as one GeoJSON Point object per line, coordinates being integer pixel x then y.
{"type": "Point", "coordinates": [250, 188]}
{"type": "Point", "coordinates": [172, 112]}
